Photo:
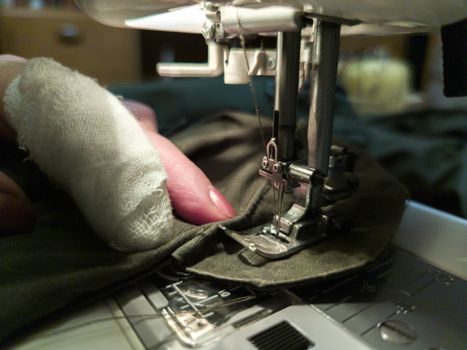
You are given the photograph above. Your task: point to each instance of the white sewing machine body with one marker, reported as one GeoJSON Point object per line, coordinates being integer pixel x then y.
{"type": "Point", "coordinates": [405, 13]}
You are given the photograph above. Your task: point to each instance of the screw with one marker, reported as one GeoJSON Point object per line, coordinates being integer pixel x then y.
{"type": "Point", "coordinates": [271, 63]}
{"type": "Point", "coordinates": [405, 308]}
{"type": "Point", "coordinates": [397, 332]}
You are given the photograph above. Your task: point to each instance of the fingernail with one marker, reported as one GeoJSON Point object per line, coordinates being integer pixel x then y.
{"type": "Point", "coordinates": [221, 203]}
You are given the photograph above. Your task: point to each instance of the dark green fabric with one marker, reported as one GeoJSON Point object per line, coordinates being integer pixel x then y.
{"type": "Point", "coordinates": [375, 210]}
{"type": "Point", "coordinates": [181, 102]}
{"type": "Point", "coordinates": [427, 151]}
{"type": "Point", "coordinates": [60, 263]}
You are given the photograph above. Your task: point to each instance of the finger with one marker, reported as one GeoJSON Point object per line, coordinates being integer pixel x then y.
{"type": "Point", "coordinates": [143, 114]}
{"type": "Point", "coordinates": [16, 214]}
{"type": "Point", "coordinates": [12, 58]}
{"type": "Point", "coordinates": [193, 196]}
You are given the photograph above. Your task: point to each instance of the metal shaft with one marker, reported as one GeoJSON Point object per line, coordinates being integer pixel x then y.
{"type": "Point", "coordinates": [323, 89]}
{"type": "Point", "coordinates": [288, 59]}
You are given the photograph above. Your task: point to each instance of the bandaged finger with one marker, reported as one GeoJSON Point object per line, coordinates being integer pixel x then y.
{"type": "Point", "coordinates": [82, 137]}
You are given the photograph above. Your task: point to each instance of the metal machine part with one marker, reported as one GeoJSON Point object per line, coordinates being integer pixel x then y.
{"type": "Point", "coordinates": [326, 177]}
{"type": "Point", "coordinates": [238, 64]}
{"type": "Point", "coordinates": [197, 313]}
{"type": "Point", "coordinates": [237, 20]}
{"type": "Point", "coordinates": [213, 68]}
{"type": "Point", "coordinates": [304, 223]}
{"type": "Point", "coordinates": [416, 14]}
{"type": "Point", "coordinates": [403, 300]}
{"type": "Point", "coordinates": [398, 301]}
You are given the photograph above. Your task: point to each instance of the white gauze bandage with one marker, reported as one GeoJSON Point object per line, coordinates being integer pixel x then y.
{"type": "Point", "coordinates": [89, 143]}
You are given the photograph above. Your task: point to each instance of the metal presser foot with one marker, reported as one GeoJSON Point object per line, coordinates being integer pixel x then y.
{"type": "Point", "coordinates": [299, 227]}
{"type": "Point", "coordinates": [321, 180]}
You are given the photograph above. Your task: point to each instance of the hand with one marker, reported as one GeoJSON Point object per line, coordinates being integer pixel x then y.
{"type": "Point", "coordinates": [193, 196]}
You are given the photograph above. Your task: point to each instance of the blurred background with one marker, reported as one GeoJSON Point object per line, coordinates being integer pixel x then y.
{"type": "Point", "coordinates": [59, 30]}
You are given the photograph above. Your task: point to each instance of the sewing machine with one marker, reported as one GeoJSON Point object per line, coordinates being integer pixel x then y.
{"type": "Point", "coordinates": [381, 307]}
{"type": "Point", "coordinates": [307, 50]}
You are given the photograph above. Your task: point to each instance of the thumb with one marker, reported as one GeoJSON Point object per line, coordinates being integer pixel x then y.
{"type": "Point", "coordinates": [193, 196]}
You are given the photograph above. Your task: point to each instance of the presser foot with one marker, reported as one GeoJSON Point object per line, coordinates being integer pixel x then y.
{"type": "Point", "coordinates": [269, 242]}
